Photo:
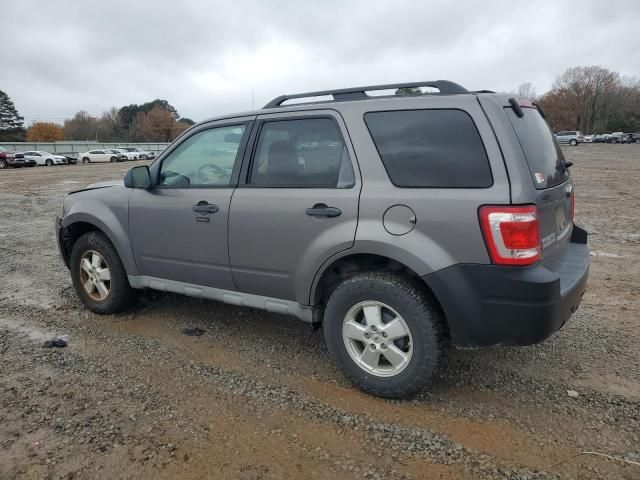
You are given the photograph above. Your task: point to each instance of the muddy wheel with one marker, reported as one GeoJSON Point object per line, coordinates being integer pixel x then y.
{"type": "Point", "coordinates": [99, 276]}
{"type": "Point", "coordinates": [3, 163]}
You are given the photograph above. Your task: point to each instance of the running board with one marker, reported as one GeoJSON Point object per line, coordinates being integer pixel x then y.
{"type": "Point", "coordinates": [275, 305]}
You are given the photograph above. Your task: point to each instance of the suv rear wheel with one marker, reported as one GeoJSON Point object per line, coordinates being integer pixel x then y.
{"type": "Point", "coordinates": [573, 142]}
{"type": "Point", "coordinates": [99, 276]}
{"type": "Point", "coordinates": [385, 333]}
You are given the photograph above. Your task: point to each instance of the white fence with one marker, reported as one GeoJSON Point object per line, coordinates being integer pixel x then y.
{"type": "Point", "coordinates": [72, 149]}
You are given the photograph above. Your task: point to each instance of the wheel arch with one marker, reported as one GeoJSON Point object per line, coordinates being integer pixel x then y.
{"type": "Point", "coordinates": [349, 263]}
{"type": "Point", "coordinates": [76, 225]}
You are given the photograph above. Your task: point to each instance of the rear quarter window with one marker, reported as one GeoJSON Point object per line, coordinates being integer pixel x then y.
{"type": "Point", "coordinates": [543, 154]}
{"type": "Point", "coordinates": [436, 148]}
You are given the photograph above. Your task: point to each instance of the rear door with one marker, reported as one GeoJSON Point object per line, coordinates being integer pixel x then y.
{"type": "Point", "coordinates": [296, 204]}
{"type": "Point", "coordinates": [553, 189]}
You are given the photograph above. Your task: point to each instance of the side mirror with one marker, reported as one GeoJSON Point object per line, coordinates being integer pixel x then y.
{"type": "Point", "coordinates": [138, 177]}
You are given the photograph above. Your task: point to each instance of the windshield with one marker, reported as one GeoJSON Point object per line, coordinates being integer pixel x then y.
{"type": "Point", "coordinates": [541, 150]}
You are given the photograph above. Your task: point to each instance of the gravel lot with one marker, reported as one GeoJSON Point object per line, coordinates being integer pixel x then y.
{"type": "Point", "coordinates": [255, 397]}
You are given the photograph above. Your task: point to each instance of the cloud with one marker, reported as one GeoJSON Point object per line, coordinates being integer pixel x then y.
{"type": "Point", "coordinates": [208, 57]}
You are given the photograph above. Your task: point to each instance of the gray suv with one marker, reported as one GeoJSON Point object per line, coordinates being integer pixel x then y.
{"type": "Point", "coordinates": [398, 223]}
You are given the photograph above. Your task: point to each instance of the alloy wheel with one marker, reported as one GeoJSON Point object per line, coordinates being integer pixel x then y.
{"type": "Point", "coordinates": [95, 275]}
{"type": "Point", "coordinates": [377, 338]}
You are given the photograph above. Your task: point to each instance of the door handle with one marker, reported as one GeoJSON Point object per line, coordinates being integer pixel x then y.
{"type": "Point", "coordinates": [321, 210]}
{"type": "Point", "coordinates": [205, 207]}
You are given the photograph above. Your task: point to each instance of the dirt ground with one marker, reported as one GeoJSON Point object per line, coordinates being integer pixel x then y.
{"type": "Point", "coordinates": [256, 396]}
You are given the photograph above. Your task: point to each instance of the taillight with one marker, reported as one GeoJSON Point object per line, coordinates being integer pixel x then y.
{"type": "Point", "coordinates": [511, 233]}
{"type": "Point", "coordinates": [573, 204]}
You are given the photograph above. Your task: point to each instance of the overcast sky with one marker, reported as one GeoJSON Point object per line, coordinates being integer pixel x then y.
{"type": "Point", "coordinates": [206, 57]}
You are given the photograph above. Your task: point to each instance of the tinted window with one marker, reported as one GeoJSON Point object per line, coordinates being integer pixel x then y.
{"type": "Point", "coordinates": [430, 148]}
{"type": "Point", "coordinates": [301, 153]}
{"type": "Point", "coordinates": [206, 158]}
{"type": "Point", "coordinates": [542, 152]}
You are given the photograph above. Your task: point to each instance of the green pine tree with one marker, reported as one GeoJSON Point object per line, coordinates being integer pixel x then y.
{"type": "Point", "coordinates": [11, 123]}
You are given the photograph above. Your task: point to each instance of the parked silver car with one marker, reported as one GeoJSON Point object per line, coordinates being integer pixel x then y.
{"type": "Point", "coordinates": [572, 137]}
{"type": "Point", "coordinates": [398, 223]}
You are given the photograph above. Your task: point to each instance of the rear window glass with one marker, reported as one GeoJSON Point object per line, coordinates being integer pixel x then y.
{"type": "Point", "coordinates": [542, 152]}
{"type": "Point", "coordinates": [430, 148]}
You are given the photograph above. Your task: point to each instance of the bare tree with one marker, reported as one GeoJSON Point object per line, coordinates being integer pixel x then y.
{"type": "Point", "coordinates": [528, 91]}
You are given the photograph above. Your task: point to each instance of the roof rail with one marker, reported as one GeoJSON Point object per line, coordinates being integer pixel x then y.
{"type": "Point", "coordinates": [359, 93]}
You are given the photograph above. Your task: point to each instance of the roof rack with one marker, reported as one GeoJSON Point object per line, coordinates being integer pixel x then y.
{"type": "Point", "coordinates": [359, 93]}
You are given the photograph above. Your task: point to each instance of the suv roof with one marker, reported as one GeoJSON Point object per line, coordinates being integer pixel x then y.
{"type": "Point", "coordinates": [357, 94]}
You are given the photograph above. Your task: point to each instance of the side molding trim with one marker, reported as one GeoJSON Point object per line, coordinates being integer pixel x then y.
{"type": "Point", "coordinates": [276, 305]}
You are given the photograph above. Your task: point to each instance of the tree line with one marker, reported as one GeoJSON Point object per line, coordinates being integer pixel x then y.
{"type": "Point", "coordinates": [592, 99]}
{"type": "Point", "coordinates": [155, 121]}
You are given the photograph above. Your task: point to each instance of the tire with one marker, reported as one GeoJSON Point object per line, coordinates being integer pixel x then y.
{"type": "Point", "coordinates": [573, 143]}
{"type": "Point", "coordinates": [114, 159]}
{"type": "Point", "coordinates": [120, 295]}
{"type": "Point", "coordinates": [637, 140]}
{"type": "Point", "coordinates": [48, 162]}
{"type": "Point", "coordinates": [3, 163]}
{"type": "Point", "coordinates": [396, 295]}
{"type": "Point", "coordinates": [86, 160]}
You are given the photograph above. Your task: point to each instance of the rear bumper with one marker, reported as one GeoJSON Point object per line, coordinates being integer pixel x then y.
{"type": "Point", "coordinates": [500, 305]}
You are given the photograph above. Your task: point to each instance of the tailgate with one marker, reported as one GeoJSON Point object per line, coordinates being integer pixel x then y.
{"type": "Point", "coordinates": [551, 178]}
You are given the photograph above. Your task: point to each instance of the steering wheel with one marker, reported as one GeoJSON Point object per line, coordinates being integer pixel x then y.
{"type": "Point", "coordinates": [205, 172]}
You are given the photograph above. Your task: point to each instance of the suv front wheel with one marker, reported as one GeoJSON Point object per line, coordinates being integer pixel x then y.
{"type": "Point", "coordinates": [385, 333]}
{"type": "Point", "coordinates": [99, 276]}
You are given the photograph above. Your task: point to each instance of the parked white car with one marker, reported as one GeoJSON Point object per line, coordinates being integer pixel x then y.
{"type": "Point", "coordinates": [98, 156]}
{"type": "Point", "coordinates": [44, 158]}
{"type": "Point", "coordinates": [140, 154]}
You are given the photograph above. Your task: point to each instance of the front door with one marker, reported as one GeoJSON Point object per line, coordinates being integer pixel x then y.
{"type": "Point", "coordinates": [296, 205]}
{"type": "Point", "coordinates": [179, 226]}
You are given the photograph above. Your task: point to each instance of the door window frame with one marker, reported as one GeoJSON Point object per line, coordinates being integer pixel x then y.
{"type": "Point", "coordinates": [251, 150]}
{"type": "Point", "coordinates": [156, 167]}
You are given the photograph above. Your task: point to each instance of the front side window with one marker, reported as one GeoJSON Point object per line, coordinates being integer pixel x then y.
{"type": "Point", "coordinates": [435, 148]}
{"type": "Point", "coordinates": [205, 159]}
{"type": "Point", "coordinates": [301, 153]}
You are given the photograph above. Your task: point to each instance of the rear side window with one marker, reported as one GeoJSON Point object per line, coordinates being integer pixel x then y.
{"type": "Point", "coordinates": [543, 154]}
{"type": "Point", "coordinates": [430, 148]}
{"type": "Point", "coordinates": [301, 153]}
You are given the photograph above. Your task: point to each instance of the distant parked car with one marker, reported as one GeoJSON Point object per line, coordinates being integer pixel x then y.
{"type": "Point", "coordinates": [634, 138]}
{"type": "Point", "coordinates": [573, 137]}
{"type": "Point", "coordinates": [121, 155]}
{"type": "Point", "coordinates": [618, 137]}
{"type": "Point", "coordinates": [98, 156]}
{"type": "Point", "coordinates": [8, 159]}
{"type": "Point", "coordinates": [40, 157]}
{"type": "Point", "coordinates": [589, 138]}
{"type": "Point", "coordinates": [127, 154]}
{"type": "Point", "coordinates": [141, 154]}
